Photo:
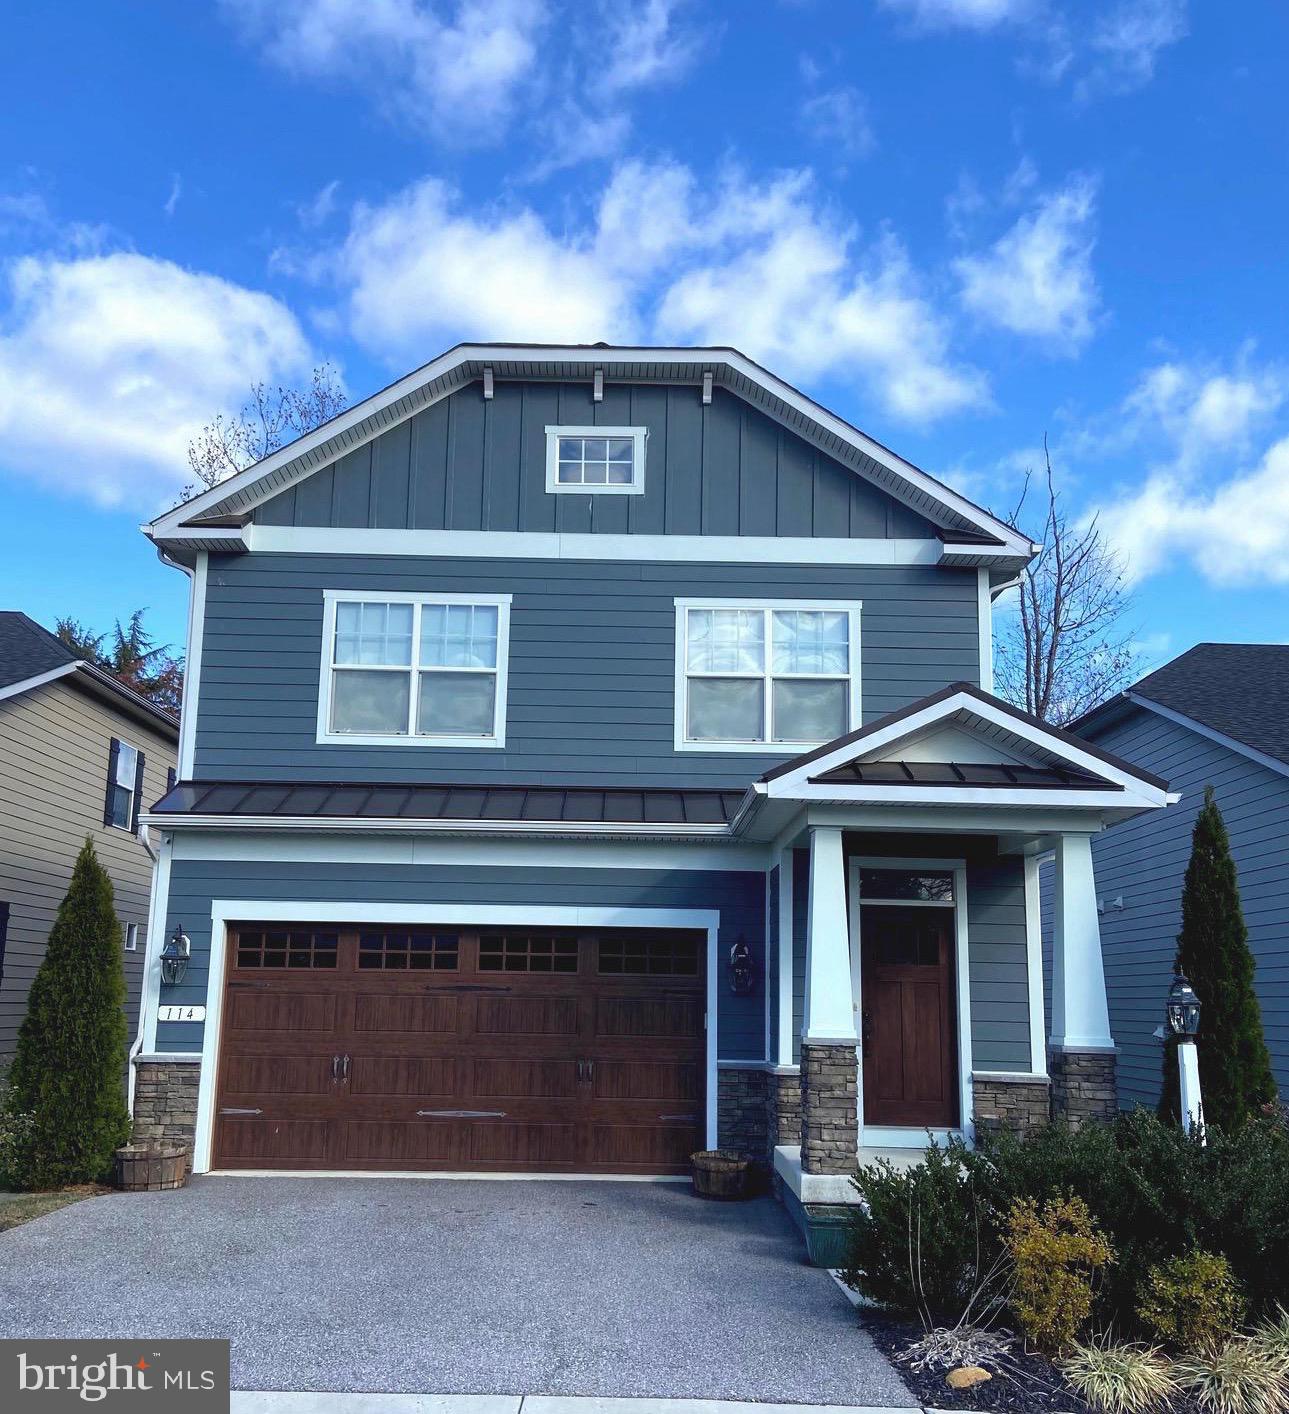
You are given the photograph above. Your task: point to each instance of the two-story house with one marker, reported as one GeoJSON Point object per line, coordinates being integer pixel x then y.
{"type": "Point", "coordinates": [589, 754]}
{"type": "Point", "coordinates": [80, 754]}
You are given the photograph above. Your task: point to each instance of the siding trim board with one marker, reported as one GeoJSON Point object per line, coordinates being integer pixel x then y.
{"type": "Point", "coordinates": [228, 911]}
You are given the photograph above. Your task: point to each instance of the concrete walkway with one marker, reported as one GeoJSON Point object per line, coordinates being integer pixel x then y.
{"type": "Point", "coordinates": [425, 1286]}
{"type": "Point", "coordinates": [261, 1403]}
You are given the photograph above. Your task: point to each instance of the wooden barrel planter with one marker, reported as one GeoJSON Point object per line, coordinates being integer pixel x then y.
{"type": "Point", "coordinates": [151, 1168]}
{"type": "Point", "coordinates": [723, 1174]}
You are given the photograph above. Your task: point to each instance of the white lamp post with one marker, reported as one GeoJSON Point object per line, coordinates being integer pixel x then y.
{"type": "Point", "coordinates": [1183, 1020]}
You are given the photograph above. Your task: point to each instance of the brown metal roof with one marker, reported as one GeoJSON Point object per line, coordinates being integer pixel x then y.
{"type": "Point", "coordinates": [959, 773]}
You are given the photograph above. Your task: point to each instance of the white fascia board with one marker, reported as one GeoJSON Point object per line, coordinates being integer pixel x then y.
{"type": "Point", "coordinates": [547, 545]}
{"type": "Point", "coordinates": [789, 785]}
{"type": "Point", "coordinates": [953, 796]}
{"type": "Point", "coordinates": [313, 824]}
{"type": "Point", "coordinates": [237, 487]}
{"type": "Point", "coordinates": [16, 689]}
{"type": "Point", "coordinates": [1281, 768]}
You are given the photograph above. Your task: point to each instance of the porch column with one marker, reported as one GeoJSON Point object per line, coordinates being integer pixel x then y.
{"type": "Point", "coordinates": [829, 1070]}
{"type": "Point", "coordinates": [1082, 1055]}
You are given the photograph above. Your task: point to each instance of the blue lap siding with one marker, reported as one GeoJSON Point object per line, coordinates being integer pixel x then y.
{"type": "Point", "coordinates": [739, 896]}
{"type": "Point", "coordinates": [592, 662]}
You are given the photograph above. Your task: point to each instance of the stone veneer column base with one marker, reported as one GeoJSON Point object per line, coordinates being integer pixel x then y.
{"type": "Point", "coordinates": [1083, 1086]}
{"type": "Point", "coordinates": [741, 1117]}
{"type": "Point", "coordinates": [1016, 1103]}
{"type": "Point", "coordinates": [784, 1106]}
{"type": "Point", "coordinates": [829, 1123]}
{"type": "Point", "coordinates": [165, 1103]}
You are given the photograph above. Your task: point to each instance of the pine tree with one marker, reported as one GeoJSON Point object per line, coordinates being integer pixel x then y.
{"type": "Point", "coordinates": [69, 1068]}
{"type": "Point", "coordinates": [1213, 952]}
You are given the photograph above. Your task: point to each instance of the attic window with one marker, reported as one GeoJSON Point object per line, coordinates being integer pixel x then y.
{"type": "Point", "coordinates": [595, 460]}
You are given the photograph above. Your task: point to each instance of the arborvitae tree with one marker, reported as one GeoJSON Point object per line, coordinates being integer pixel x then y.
{"type": "Point", "coordinates": [1213, 951]}
{"type": "Point", "coordinates": [69, 1068]}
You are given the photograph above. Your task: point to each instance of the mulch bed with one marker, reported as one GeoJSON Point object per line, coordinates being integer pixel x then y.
{"type": "Point", "coordinates": [1038, 1389]}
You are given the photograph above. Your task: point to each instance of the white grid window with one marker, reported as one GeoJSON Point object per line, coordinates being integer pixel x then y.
{"type": "Point", "coordinates": [751, 676]}
{"type": "Point", "coordinates": [595, 460]}
{"type": "Point", "coordinates": [123, 784]}
{"type": "Point", "coordinates": [427, 671]}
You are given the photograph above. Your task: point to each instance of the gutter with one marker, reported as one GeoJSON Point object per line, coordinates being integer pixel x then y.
{"type": "Point", "coordinates": [316, 824]}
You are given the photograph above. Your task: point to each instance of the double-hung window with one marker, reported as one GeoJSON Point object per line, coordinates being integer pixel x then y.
{"type": "Point", "coordinates": [596, 460]}
{"type": "Point", "coordinates": [425, 670]}
{"type": "Point", "coordinates": [124, 786]}
{"type": "Point", "coordinates": [751, 675]}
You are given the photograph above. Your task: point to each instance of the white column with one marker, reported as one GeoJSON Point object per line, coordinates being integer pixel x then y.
{"type": "Point", "coordinates": [829, 1010]}
{"type": "Point", "coordinates": [1080, 1016]}
{"type": "Point", "coordinates": [1188, 1078]}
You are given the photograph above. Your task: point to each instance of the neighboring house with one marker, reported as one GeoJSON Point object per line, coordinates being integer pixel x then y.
{"type": "Point", "coordinates": [1219, 716]}
{"type": "Point", "coordinates": [584, 750]}
{"type": "Point", "coordinates": [80, 754]}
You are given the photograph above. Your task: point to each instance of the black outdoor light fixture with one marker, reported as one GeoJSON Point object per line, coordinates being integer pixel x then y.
{"type": "Point", "coordinates": [174, 957]}
{"type": "Point", "coordinates": [742, 969]}
{"type": "Point", "coordinates": [1183, 1009]}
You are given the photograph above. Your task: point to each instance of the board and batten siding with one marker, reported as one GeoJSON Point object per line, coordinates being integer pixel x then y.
{"type": "Point", "coordinates": [738, 894]}
{"type": "Point", "coordinates": [470, 463]}
{"type": "Point", "coordinates": [592, 662]}
{"type": "Point", "coordinates": [1144, 862]}
{"type": "Point", "coordinates": [996, 941]}
{"type": "Point", "coordinates": [54, 744]}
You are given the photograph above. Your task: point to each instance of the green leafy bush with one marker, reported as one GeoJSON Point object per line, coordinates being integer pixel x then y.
{"type": "Point", "coordinates": [1121, 1377]}
{"type": "Point", "coordinates": [1192, 1302]}
{"type": "Point", "coordinates": [1056, 1251]}
{"type": "Point", "coordinates": [919, 1238]}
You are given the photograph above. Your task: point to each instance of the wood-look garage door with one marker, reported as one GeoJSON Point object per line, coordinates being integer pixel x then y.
{"type": "Point", "coordinates": [403, 1048]}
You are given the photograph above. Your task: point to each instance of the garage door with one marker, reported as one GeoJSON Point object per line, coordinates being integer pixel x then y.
{"type": "Point", "coordinates": [396, 1048]}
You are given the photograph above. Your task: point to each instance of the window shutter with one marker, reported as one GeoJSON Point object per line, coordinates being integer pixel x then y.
{"type": "Point", "coordinates": [113, 752]}
{"type": "Point", "coordinates": [4, 935]}
{"type": "Point", "coordinates": [138, 793]}
{"type": "Point", "coordinates": [171, 778]}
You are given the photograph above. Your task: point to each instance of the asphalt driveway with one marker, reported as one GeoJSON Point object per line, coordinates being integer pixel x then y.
{"type": "Point", "coordinates": [454, 1286]}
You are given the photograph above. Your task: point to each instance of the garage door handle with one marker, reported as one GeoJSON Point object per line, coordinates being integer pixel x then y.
{"type": "Point", "coordinates": [689, 1119]}
{"type": "Point", "coordinates": [461, 1114]}
{"type": "Point", "coordinates": [240, 1112]}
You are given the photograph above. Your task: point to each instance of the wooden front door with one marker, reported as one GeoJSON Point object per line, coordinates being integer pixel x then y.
{"type": "Point", "coordinates": [431, 1048]}
{"type": "Point", "coordinates": [910, 1069]}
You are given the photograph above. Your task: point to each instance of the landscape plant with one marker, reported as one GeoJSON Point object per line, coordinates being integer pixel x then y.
{"type": "Point", "coordinates": [1056, 1251]}
{"type": "Point", "coordinates": [1236, 1378]}
{"type": "Point", "coordinates": [1213, 952]}
{"type": "Point", "coordinates": [1121, 1377]}
{"type": "Point", "coordinates": [68, 1073]}
{"type": "Point", "coordinates": [1192, 1302]}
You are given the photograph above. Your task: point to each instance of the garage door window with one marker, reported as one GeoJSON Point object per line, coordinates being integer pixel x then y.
{"type": "Point", "coordinates": [527, 953]}
{"type": "Point", "coordinates": [631, 955]}
{"type": "Point", "coordinates": [282, 947]}
{"type": "Point", "coordinates": [407, 951]}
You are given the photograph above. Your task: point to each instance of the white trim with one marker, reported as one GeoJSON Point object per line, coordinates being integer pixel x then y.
{"type": "Point", "coordinates": [150, 985]}
{"type": "Point", "coordinates": [559, 545]}
{"type": "Point", "coordinates": [852, 608]}
{"type": "Point", "coordinates": [1281, 768]}
{"type": "Point", "coordinates": [226, 911]}
{"type": "Point", "coordinates": [321, 848]}
{"type": "Point", "coordinates": [1034, 970]}
{"type": "Point", "coordinates": [570, 829]}
{"type": "Point", "coordinates": [915, 1135]}
{"type": "Point", "coordinates": [1135, 790]}
{"type": "Point", "coordinates": [880, 1136]}
{"type": "Point", "coordinates": [244, 489]}
{"type": "Point", "coordinates": [783, 1050]}
{"type": "Point", "coordinates": [192, 664]}
{"type": "Point", "coordinates": [985, 629]}
{"type": "Point", "coordinates": [39, 680]}
{"type": "Point", "coordinates": [332, 597]}
{"type": "Point", "coordinates": [636, 435]}
{"type": "Point", "coordinates": [959, 795]}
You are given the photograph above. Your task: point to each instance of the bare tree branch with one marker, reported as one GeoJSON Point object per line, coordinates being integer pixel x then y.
{"type": "Point", "coordinates": [1068, 647]}
{"type": "Point", "coordinates": [268, 419]}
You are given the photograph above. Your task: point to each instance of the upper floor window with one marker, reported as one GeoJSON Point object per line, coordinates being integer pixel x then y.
{"type": "Point", "coordinates": [596, 460]}
{"type": "Point", "coordinates": [751, 675]}
{"type": "Point", "coordinates": [429, 670]}
{"type": "Point", "coordinates": [124, 786]}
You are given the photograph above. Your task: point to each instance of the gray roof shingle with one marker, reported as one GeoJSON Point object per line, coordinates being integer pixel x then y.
{"type": "Point", "coordinates": [27, 650]}
{"type": "Point", "coordinates": [1238, 689]}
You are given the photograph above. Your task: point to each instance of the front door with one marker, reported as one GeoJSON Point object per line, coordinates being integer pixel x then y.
{"type": "Point", "coordinates": [910, 1071]}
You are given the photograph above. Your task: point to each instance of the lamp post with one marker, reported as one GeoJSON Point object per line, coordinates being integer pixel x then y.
{"type": "Point", "coordinates": [1183, 1011]}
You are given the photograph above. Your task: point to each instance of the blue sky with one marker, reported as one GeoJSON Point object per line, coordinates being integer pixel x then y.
{"type": "Point", "coordinates": [960, 223]}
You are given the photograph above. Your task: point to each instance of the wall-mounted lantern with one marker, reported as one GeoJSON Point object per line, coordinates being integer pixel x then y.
{"type": "Point", "coordinates": [742, 969]}
{"type": "Point", "coordinates": [174, 957]}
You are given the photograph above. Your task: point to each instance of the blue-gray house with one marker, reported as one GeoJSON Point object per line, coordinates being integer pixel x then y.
{"type": "Point", "coordinates": [589, 753]}
{"type": "Point", "coordinates": [1219, 716]}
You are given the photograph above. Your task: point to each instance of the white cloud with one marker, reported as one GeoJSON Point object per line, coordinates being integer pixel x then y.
{"type": "Point", "coordinates": [963, 14]}
{"type": "Point", "coordinates": [760, 265]}
{"type": "Point", "coordinates": [176, 191]}
{"type": "Point", "coordinates": [109, 363]}
{"type": "Point", "coordinates": [1203, 410]}
{"type": "Point", "coordinates": [839, 117]}
{"type": "Point", "coordinates": [455, 76]}
{"type": "Point", "coordinates": [1127, 40]}
{"type": "Point", "coordinates": [644, 46]}
{"type": "Point", "coordinates": [1037, 278]}
{"type": "Point", "coordinates": [1234, 534]}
